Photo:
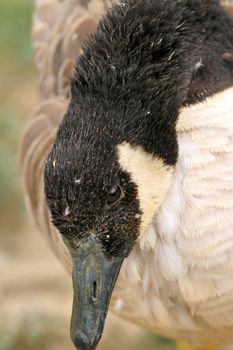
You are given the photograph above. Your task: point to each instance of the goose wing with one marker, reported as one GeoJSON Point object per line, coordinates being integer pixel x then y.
{"type": "Point", "coordinates": [59, 30]}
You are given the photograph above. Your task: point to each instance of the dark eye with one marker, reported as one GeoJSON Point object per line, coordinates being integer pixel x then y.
{"type": "Point", "coordinates": [114, 195]}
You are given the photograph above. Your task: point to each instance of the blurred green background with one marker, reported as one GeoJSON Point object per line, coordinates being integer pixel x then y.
{"type": "Point", "coordinates": [17, 94]}
{"type": "Point", "coordinates": [35, 292]}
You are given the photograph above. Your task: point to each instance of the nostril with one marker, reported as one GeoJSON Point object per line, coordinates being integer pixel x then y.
{"type": "Point", "coordinates": [94, 297]}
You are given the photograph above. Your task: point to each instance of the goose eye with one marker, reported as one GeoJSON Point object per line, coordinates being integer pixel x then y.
{"type": "Point", "coordinates": [113, 195]}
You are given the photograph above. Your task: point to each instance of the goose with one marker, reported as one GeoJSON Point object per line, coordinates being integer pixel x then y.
{"type": "Point", "coordinates": [133, 187]}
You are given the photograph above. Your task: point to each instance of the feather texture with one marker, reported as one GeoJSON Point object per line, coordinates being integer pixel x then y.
{"type": "Point", "coordinates": [191, 260]}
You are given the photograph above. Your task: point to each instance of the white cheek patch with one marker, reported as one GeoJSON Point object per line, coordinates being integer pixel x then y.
{"type": "Point", "coordinates": [151, 176]}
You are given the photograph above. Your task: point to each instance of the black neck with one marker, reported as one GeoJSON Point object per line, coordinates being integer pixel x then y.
{"type": "Point", "coordinates": [147, 59]}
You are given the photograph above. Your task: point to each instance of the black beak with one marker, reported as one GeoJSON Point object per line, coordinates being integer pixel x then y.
{"type": "Point", "coordinates": [94, 277]}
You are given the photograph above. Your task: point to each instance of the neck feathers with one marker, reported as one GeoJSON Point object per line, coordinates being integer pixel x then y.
{"type": "Point", "coordinates": [141, 67]}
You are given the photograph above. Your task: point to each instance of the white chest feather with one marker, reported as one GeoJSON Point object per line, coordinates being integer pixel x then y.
{"type": "Point", "coordinates": [179, 279]}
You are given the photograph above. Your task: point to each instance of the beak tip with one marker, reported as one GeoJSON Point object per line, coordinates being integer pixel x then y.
{"type": "Point", "coordinates": [82, 342]}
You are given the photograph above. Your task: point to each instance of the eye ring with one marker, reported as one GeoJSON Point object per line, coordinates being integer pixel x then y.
{"type": "Point", "coordinates": [114, 195]}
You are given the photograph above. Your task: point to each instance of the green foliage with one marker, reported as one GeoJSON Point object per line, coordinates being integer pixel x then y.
{"type": "Point", "coordinates": [156, 342]}
{"type": "Point", "coordinates": [15, 29]}
{"type": "Point", "coordinates": [9, 128]}
{"type": "Point", "coordinates": [15, 74]}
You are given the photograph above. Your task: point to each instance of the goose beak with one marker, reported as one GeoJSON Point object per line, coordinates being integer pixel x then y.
{"type": "Point", "coordinates": [94, 277]}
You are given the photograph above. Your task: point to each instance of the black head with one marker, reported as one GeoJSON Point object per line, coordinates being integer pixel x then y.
{"type": "Point", "coordinates": [87, 191]}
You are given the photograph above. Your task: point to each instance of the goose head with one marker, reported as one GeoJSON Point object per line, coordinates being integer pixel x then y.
{"type": "Point", "coordinates": [112, 161]}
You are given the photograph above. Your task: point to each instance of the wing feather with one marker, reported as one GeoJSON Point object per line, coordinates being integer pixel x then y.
{"type": "Point", "coordinates": [59, 30]}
